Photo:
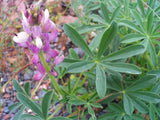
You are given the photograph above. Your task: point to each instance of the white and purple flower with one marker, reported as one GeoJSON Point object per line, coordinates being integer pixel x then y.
{"type": "Point", "coordinates": [38, 32]}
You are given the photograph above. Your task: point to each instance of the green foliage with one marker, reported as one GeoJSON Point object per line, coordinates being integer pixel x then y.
{"type": "Point", "coordinates": [120, 68]}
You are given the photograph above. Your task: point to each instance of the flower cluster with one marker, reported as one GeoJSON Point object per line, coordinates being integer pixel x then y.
{"type": "Point", "coordinates": [38, 32]}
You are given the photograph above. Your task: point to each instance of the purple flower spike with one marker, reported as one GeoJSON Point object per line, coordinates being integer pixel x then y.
{"type": "Point", "coordinates": [38, 32]}
{"type": "Point", "coordinates": [58, 60]}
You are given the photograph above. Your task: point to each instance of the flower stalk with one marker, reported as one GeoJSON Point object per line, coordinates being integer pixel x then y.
{"type": "Point", "coordinates": [47, 68]}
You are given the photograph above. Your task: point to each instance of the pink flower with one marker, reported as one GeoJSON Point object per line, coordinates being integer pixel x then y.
{"type": "Point", "coordinates": [41, 72]}
{"type": "Point", "coordinates": [47, 24]}
{"type": "Point", "coordinates": [38, 32]}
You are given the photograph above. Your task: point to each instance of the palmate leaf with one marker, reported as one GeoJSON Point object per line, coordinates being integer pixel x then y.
{"type": "Point", "coordinates": [107, 37]}
{"type": "Point", "coordinates": [77, 39]}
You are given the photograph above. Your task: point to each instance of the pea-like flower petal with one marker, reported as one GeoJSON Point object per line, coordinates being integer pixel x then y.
{"type": "Point", "coordinates": [58, 60]}
{"type": "Point", "coordinates": [38, 76]}
{"type": "Point", "coordinates": [21, 37]}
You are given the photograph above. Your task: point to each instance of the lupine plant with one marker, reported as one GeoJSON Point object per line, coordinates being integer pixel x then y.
{"type": "Point", "coordinates": [118, 74]}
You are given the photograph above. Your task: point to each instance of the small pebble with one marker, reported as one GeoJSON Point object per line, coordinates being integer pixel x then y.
{"type": "Point", "coordinates": [28, 75]}
{"type": "Point", "coordinates": [66, 114]}
{"type": "Point", "coordinates": [41, 94]}
{"type": "Point", "coordinates": [5, 110]}
{"type": "Point", "coordinates": [79, 52]}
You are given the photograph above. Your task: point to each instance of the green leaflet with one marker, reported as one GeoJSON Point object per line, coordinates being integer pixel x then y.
{"type": "Point", "coordinates": [46, 103]}
{"type": "Point", "coordinates": [132, 37]}
{"type": "Point", "coordinates": [144, 82]}
{"type": "Point", "coordinates": [128, 106]}
{"type": "Point", "coordinates": [131, 25]}
{"type": "Point", "coordinates": [29, 116]}
{"type": "Point", "coordinates": [29, 103]}
{"type": "Point", "coordinates": [77, 39]}
{"type": "Point", "coordinates": [125, 53]}
{"type": "Point", "coordinates": [107, 37]}
{"type": "Point", "coordinates": [100, 81]}
{"type": "Point", "coordinates": [122, 67]}
{"type": "Point", "coordinates": [78, 67]}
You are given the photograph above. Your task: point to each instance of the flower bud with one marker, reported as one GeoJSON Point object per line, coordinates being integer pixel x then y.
{"type": "Point", "coordinates": [30, 20]}
{"type": "Point", "coordinates": [39, 42]}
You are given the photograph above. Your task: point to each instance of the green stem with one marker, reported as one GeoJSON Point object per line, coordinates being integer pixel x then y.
{"type": "Point", "coordinates": [60, 106]}
{"type": "Point", "coordinates": [47, 68]}
{"type": "Point", "coordinates": [77, 81]}
{"type": "Point", "coordinates": [39, 83]}
{"type": "Point", "coordinates": [86, 76]}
